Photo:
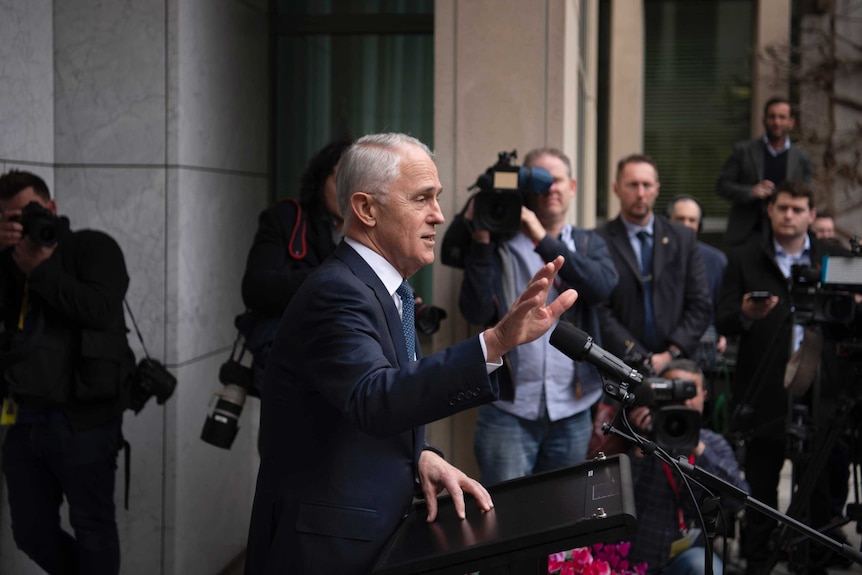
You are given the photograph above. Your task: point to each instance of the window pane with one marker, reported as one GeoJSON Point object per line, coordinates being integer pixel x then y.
{"type": "Point", "coordinates": [697, 92]}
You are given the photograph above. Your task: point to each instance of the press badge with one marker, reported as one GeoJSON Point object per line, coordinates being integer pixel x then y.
{"type": "Point", "coordinates": [9, 413]}
{"type": "Point", "coordinates": [684, 543]}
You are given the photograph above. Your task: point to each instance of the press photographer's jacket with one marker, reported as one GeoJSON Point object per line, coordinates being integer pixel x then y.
{"type": "Point", "coordinates": [68, 349]}
{"type": "Point", "coordinates": [489, 288]}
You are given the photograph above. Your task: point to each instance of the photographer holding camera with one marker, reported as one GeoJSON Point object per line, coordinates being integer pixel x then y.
{"type": "Point", "coordinates": [65, 362]}
{"type": "Point", "coordinates": [542, 420]}
{"type": "Point", "coordinates": [666, 537]}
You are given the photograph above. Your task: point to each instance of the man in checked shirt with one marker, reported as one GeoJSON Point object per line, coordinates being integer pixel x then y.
{"type": "Point", "coordinates": [666, 537]}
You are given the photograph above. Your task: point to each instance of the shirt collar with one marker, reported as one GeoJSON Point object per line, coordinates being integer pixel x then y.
{"type": "Point", "coordinates": [776, 151]}
{"type": "Point", "coordinates": [633, 229]}
{"type": "Point", "coordinates": [387, 273]}
{"type": "Point", "coordinates": [780, 252]}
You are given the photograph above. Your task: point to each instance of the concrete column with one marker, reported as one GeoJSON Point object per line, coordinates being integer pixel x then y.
{"type": "Point", "coordinates": [501, 83]}
{"type": "Point", "coordinates": [769, 75]}
{"type": "Point", "coordinates": [149, 121]}
{"type": "Point", "coordinates": [626, 88]}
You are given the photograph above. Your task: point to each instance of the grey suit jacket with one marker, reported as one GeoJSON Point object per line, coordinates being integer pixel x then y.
{"type": "Point", "coordinates": [741, 171]}
{"type": "Point", "coordinates": [680, 293]}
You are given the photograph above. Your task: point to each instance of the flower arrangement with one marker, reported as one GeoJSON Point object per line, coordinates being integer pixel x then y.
{"type": "Point", "coordinates": [598, 559]}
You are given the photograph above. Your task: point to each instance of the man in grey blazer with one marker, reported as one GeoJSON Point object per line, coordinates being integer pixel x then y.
{"type": "Point", "coordinates": [756, 167]}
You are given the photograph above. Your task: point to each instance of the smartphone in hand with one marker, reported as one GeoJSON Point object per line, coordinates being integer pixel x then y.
{"type": "Point", "coordinates": [760, 296]}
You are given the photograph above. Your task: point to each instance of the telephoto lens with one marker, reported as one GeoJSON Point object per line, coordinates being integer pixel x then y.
{"type": "Point", "coordinates": [222, 423]}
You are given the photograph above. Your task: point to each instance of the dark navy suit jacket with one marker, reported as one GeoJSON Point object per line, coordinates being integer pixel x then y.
{"type": "Point", "coordinates": [680, 294]}
{"type": "Point", "coordinates": [341, 423]}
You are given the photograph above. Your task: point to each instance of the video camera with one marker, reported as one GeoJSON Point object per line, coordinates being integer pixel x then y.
{"type": "Point", "coordinates": [504, 189]}
{"type": "Point", "coordinates": [825, 294]}
{"type": "Point", "coordinates": [673, 427]}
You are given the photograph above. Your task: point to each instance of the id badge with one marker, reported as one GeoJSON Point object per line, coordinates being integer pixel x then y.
{"type": "Point", "coordinates": [684, 543]}
{"type": "Point", "coordinates": [9, 412]}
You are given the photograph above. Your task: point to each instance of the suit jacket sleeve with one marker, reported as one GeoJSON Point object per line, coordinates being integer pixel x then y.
{"type": "Point", "coordinates": [590, 270]}
{"type": "Point", "coordinates": [478, 298]}
{"type": "Point", "coordinates": [728, 317]}
{"type": "Point", "coordinates": [736, 180]}
{"type": "Point", "coordinates": [697, 311]}
{"type": "Point", "coordinates": [348, 356]}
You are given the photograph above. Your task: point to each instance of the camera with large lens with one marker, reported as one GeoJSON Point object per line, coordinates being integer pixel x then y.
{"type": "Point", "coordinates": [39, 223]}
{"type": "Point", "coordinates": [674, 427]}
{"type": "Point", "coordinates": [222, 423]}
{"type": "Point", "coordinates": [504, 188]}
{"type": "Point", "coordinates": [428, 318]}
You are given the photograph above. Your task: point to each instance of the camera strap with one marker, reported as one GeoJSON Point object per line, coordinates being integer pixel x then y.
{"type": "Point", "coordinates": [675, 488]}
{"type": "Point", "coordinates": [135, 325]}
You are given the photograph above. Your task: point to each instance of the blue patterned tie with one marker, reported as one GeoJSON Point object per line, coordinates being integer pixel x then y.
{"type": "Point", "coordinates": [408, 323]}
{"type": "Point", "coordinates": [646, 276]}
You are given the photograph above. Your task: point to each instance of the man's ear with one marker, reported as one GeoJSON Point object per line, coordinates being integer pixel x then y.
{"type": "Point", "coordinates": [364, 208]}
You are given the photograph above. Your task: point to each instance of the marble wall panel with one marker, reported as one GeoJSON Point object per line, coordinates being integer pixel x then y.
{"type": "Point", "coordinates": [110, 81]}
{"type": "Point", "coordinates": [223, 87]}
{"type": "Point", "coordinates": [26, 81]}
{"type": "Point", "coordinates": [214, 487]}
{"type": "Point", "coordinates": [216, 220]}
{"type": "Point", "coordinates": [129, 204]}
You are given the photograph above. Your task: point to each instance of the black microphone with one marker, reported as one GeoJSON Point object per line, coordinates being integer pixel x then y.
{"type": "Point", "coordinates": [578, 345]}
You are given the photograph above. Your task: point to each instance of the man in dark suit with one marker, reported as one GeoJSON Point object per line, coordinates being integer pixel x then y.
{"type": "Point", "coordinates": [347, 391]}
{"type": "Point", "coordinates": [767, 332]}
{"type": "Point", "coordinates": [660, 307]}
{"type": "Point", "coordinates": [756, 167]}
{"type": "Point", "coordinates": [688, 211]}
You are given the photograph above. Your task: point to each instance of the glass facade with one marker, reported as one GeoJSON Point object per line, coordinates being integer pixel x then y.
{"type": "Point", "coordinates": [697, 93]}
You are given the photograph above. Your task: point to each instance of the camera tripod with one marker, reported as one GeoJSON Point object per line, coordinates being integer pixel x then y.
{"type": "Point", "coordinates": [814, 435]}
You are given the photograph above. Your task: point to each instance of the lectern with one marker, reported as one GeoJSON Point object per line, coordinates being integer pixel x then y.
{"type": "Point", "coordinates": [532, 517]}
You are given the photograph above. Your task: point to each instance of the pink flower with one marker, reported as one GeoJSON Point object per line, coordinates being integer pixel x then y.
{"type": "Point", "coordinates": [555, 561]}
{"type": "Point", "coordinates": [581, 556]}
{"type": "Point", "coordinates": [598, 568]}
{"type": "Point", "coordinates": [623, 548]}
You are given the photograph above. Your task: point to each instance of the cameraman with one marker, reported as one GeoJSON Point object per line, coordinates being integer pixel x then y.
{"type": "Point", "coordinates": [665, 512]}
{"type": "Point", "coordinates": [542, 420]}
{"type": "Point", "coordinates": [65, 363]}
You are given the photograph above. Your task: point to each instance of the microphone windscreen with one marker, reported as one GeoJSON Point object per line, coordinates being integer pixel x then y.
{"type": "Point", "coordinates": [569, 339]}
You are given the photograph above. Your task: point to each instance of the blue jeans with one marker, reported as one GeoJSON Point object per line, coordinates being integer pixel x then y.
{"type": "Point", "coordinates": [47, 461]}
{"type": "Point", "coordinates": [508, 446]}
{"type": "Point", "coordinates": [692, 562]}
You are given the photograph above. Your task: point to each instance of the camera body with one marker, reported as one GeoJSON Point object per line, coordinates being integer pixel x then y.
{"type": "Point", "coordinates": [674, 427]}
{"type": "Point", "coordinates": [39, 224]}
{"type": "Point", "coordinates": [825, 294]}
{"type": "Point", "coordinates": [150, 378]}
{"type": "Point", "coordinates": [504, 189]}
{"type": "Point", "coordinates": [428, 318]}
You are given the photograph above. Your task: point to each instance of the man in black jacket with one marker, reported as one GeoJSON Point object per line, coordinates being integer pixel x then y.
{"type": "Point", "coordinates": [756, 304]}
{"type": "Point", "coordinates": [65, 362]}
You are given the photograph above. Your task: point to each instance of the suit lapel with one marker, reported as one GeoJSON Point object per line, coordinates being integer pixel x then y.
{"type": "Point", "coordinates": [756, 151]}
{"type": "Point", "coordinates": [661, 244]}
{"type": "Point", "coordinates": [364, 272]}
{"type": "Point", "coordinates": [620, 239]}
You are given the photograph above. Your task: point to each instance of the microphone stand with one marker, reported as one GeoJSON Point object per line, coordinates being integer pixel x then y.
{"type": "Point", "coordinates": [717, 485]}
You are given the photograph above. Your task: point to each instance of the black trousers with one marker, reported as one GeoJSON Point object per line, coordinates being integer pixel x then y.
{"type": "Point", "coordinates": [43, 463]}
